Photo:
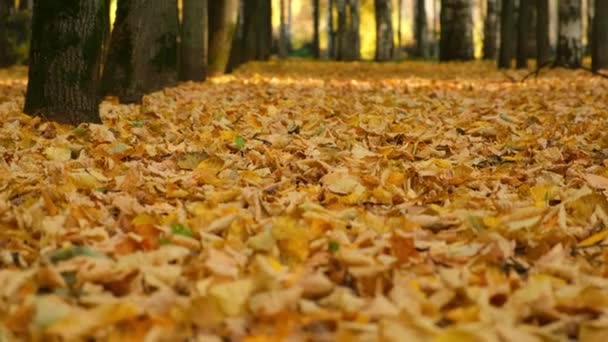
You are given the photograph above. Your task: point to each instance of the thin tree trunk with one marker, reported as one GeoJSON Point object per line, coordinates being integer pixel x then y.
{"type": "Point", "coordinates": [316, 49]}
{"type": "Point", "coordinates": [341, 35]}
{"type": "Point", "coordinates": [66, 51]}
{"type": "Point", "coordinates": [236, 51]}
{"type": "Point", "coordinates": [569, 44]}
{"type": "Point", "coordinates": [222, 25]}
{"type": "Point", "coordinates": [353, 47]}
{"type": "Point", "coordinates": [420, 29]}
{"type": "Point", "coordinates": [506, 34]}
{"type": "Point", "coordinates": [384, 31]}
{"type": "Point", "coordinates": [283, 38]}
{"type": "Point", "coordinates": [331, 41]}
{"type": "Point", "coordinates": [288, 28]}
{"type": "Point", "coordinates": [590, 17]}
{"type": "Point", "coordinates": [490, 32]}
{"type": "Point", "coordinates": [193, 65]}
{"type": "Point", "coordinates": [523, 27]}
{"type": "Point", "coordinates": [599, 46]}
{"type": "Point", "coordinates": [143, 50]}
{"type": "Point", "coordinates": [399, 20]}
{"type": "Point", "coordinates": [543, 46]}
{"type": "Point", "coordinates": [456, 42]}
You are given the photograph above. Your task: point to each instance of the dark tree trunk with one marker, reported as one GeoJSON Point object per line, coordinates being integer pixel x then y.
{"type": "Point", "coordinates": [193, 65]}
{"type": "Point", "coordinates": [384, 31]}
{"type": "Point", "coordinates": [222, 25]}
{"type": "Point", "coordinates": [66, 51]}
{"type": "Point", "coordinates": [599, 46]}
{"type": "Point", "coordinates": [257, 30]}
{"type": "Point", "coordinates": [490, 30]}
{"type": "Point", "coordinates": [589, 33]}
{"type": "Point", "coordinates": [316, 49]}
{"type": "Point", "coordinates": [523, 28]}
{"type": "Point", "coordinates": [543, 47]}
{"type": "Point", "coordinates": [7, 48]}
{"type": "Point", "coordinates": [236, 51]}
{"type": "Point", "coordinates": [420, 29]}
{"type": "Point", "coordinates": [348, 30]}
{"type": "Point", "coordinates": [283, 31]}
{"type": "Point", "coordinates": [506, 34]}
{"type": "Point", "coordinates": [456, 42]}
{"type": "Point", "coordinates": [143, 49]}
{"type": "Point", "coordinates": [569, 44]}
{"type": "Point", "coordinates": [399, 23]}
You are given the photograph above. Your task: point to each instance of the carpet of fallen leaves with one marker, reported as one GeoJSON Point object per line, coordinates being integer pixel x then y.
{"type": "Point", "coordinates": [312, 201]}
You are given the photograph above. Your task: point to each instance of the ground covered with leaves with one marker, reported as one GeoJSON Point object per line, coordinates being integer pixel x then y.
{"type": "Point", "coordinates": [313, 201]}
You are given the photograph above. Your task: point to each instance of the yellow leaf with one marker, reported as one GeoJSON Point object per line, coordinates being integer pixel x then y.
{"type": "Point", "coordinates": [594, 239]}
{"type": "Point", "coordinates": [61, 154]}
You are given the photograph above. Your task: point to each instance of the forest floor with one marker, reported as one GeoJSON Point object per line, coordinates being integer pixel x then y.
{"type": "Point", "coordinates": [402, 202]}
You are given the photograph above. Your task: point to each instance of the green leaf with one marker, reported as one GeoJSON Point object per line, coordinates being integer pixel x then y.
{"type": "Point", "coordinates": [180, 229]}
{"type": "Point", "coordinates": [334, 246]}
{"type": "Point", "coordinates": [71, 252]}
{"type": "Point", "coordinates": [139, 123]}
{"type": "Point", "coordinates": [239, 142]}
{"type": "Point", "coordinates": [506, 118]}
{"type": "Point", "coordinates": [164, 241]}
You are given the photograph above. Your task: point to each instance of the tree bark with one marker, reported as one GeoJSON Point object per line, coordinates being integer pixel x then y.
{"type": "Point", "coordinates": [599, 46]}
{"type": "Point", "coordinates": [222, 25]}
{"type": "Point", "coordinates": [456, 41]}
{"type": "Point", "coordinates": [399, 23]}
{"type": "Point", "coordinates": [143, 49]}
{"type": "Point", "coordinates": [236, 51]}
{"type": "Point", "coordinates": [420, 30]}
{"type": "Point", "coordinates": [7, 53]}
{"type": "Point", "coordinates": [384, 31]}
{"type": "Point", "coordinates": [543, 46]}
{"type": "Point", "coordinates": [66, 51]}
{"type": "Point", "coordinates": [257, 41]}
{"type": "Point", "coordinates": [193, 55]}
{"type": "Point", "coordinates": [523, 27]}
{"type": "Point", "coordinates": [490, 30]}
{"type": "Point", "coordinates": [569, 45]}
{"type": "Point", "coordinates": [349, 43]}
{"type": "Point", "coordinates": [590, 24]}
{"type": "Point", "coordinates": [316, 48]}
{"type": "Point", "coordinates": [506, 34]}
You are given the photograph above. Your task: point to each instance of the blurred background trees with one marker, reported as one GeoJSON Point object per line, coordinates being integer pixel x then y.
{"type": "Point", "coordinates": [156, 43]}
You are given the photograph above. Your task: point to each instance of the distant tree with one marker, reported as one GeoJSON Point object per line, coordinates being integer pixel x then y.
{"type": "Point", "coordinates": [384, 30]}
{"type": "Point", "coordinates": [253, 37]}
{"type": "Point", "coordinates": [505, 53]}
{"type": "Point", "coordinates": [523, 28]}
{"type": "Point", "coordinates": [222, 24]}
{"type": "Point", "coordinates": [283, 30]}
{"type": "Point", "coordinates": [7, 53]}
{"type": "Point", "coordinates": [143, 49]}
{"type": "Point", "coordinates": [569, 44]}
{"type": "Point", "coordinates": [399, 23]}
{"type": "Point", "coordinates": [194, 32]}
{"type": "Point", "coordinates": [590, 17]}
{"type": "Point", "coordinates": [66, 51]}
{"type": "Point", "coordinates": [490, 30]}
{"type": "Point", "coordinates": [420, 29]}
{"type": "Point", "coordinates": [331, 33]}
{"type": "Point", "coordinates": [543, 47]}
{"type": "Point", "coordinates": [599, 46]}
{"type": "Point", "coordinates": [349, 42]}
{"type": "Point", "coordinates": [456, 41]}
{"type": "Point", "coordinates": [316, 14]}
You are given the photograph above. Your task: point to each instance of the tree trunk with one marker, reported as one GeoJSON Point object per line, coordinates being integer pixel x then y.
{"type": "Point", "coordinates": [222, 25]}
{"type": "Point", "coordinates": [456, 41]}
{"type": "Point", "coordinates": [316, 49]}
{"type": "Point", "coordinates": [420, 30]}
{"type": "Point", "coordinates": [7, 48]}
{"type": "Point", "coordinates": [236, 51]}
{"type": "Point", "coordinates": [523, 27]}
{"type": "Point", "coordinates": [283, 34]}
{"type": "Point", "coordinates": [143, 49]}
{"type": "Point", "coordinates": [193, 65]}
{"type": "Point", "coordinates": [349, 43]}
{"type": "Point", "coordinates": [543, 46]}
{"type": "Point", "coordinates": [331, 37]}
{"type": "Point", "coordinates": [384, 31]}
{"type": "Point", "coordinates": [599, 46]}
{"type": "Point", "coordinates": [399, 23]}
{"type": "Point", "coordinates": [506, 34]}
{"type": "Point", "coordinates": [490, 30]}
{"type": "Point", "coordinates": [569, 45]}
{"type": "Point", "coordinates": [590, 17]}
{"type": "Point", "coordinates": [257, 28]}
{"type": "Point", "coordinates": [66, 51]}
